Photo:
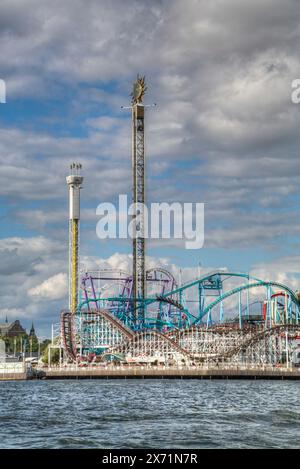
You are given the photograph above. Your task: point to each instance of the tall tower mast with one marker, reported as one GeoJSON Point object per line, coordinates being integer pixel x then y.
{"type": "Point", "coordinates": [138, 168]}
{"type": "Point", "coordinates": [74, 181]}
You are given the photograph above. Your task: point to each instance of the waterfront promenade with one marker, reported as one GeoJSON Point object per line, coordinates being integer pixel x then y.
{"type": "Point", "coordinates": [14, 371]}
{"type": "Point", "coordinates": [148, 372]}
{"type": "Point", "coordinates": [18, 371]}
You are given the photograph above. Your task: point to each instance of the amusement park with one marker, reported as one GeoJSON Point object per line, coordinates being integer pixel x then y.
{"type": "Point", "coordinates": [147, 316]}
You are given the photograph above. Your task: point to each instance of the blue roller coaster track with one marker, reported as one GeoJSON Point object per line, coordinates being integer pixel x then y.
{"type": "Point", "coordinates": [172, 309]}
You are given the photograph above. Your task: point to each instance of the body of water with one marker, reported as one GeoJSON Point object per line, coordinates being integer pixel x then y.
{"type": "Point", "coordinates": [150, 414]}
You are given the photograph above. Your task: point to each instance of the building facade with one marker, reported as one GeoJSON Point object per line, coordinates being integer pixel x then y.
{"type": "Point", "coordinates": [13, 329]}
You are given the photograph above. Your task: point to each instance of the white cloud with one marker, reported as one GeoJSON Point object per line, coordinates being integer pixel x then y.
{"type": "Point", "coordinates": [12, 314]}
{"type": "Point", "coordinates": [54, 288]}
{"type": "Point", "coordinates": [282, 269]}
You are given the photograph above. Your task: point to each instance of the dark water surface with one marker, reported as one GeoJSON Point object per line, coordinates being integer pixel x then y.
{"type": "Point", "coordinates": [150, 414]}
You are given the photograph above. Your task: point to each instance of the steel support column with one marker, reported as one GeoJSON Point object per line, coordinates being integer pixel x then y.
{"type": "Point", "coordinates": [138, 166]}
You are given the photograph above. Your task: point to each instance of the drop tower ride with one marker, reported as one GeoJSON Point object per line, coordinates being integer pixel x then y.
{"type": "Point", "coordinates": [138, 170]}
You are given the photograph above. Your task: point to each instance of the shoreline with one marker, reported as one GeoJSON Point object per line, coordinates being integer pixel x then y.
{"type": "Point", "coordinates": [173, 373]}
{"type": "Point", "coordinates": [156, 373]}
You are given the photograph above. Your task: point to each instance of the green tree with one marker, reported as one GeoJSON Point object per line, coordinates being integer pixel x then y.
{"type": "Point", "coordinates": [54, 352]}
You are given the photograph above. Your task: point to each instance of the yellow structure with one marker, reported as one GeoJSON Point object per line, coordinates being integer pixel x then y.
{"type": "Point", "coordinates": [74, 181]}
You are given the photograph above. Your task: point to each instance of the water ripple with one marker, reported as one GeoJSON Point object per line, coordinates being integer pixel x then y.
{"type": "Point", "coordinates": [149, 414]}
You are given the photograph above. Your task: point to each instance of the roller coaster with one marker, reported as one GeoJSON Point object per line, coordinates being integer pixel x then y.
{"type": "Point", "coordinates": [219, 317]}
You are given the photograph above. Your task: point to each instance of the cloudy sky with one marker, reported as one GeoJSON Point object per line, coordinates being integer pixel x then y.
{"type": "Point", "coordinates": [224, 132]}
